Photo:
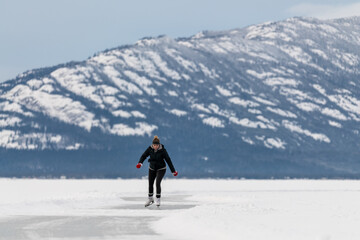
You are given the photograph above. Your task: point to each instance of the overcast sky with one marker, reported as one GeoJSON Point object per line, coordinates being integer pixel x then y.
{"type": "Point", "coordinates": [40, 33]}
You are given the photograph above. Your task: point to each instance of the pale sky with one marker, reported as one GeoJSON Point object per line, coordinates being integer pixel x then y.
{"type": "Point", "coordinates": [41, 33]}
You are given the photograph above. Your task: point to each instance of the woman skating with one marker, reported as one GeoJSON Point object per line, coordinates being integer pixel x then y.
{"type": "Point", "coordinates": [157, 168]}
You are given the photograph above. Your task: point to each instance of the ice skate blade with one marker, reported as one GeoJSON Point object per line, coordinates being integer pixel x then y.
{"type": "Point", "coordinates": [151, 203]}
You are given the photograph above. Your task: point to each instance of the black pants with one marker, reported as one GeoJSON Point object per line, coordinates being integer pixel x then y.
{"type": "Point", "coordinates": [158, 174]}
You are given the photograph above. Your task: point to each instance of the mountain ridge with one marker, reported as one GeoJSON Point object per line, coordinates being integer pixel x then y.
{"type": "Point", "coordinates": [277, 99]}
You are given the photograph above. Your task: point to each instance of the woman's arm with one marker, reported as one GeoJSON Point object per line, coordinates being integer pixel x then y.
{"type": "Point", "coordinates": [144, 155]}
{"type": "Point", "coordinates": [168, 161]}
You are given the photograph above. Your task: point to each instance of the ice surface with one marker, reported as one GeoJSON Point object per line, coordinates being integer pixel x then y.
{"type": "Point", "coordinates": [191, 209]}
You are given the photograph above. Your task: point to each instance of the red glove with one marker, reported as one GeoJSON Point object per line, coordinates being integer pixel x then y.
{"type": "Point", "coordinates": [138, 165]}
{"type": "Point", "coordinates": [175, 173]}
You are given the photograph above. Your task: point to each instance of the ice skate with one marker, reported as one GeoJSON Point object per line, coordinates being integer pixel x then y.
{"type": "Point", "coordinates": [157, 202]}
{"type": "Point", "coordinates": [149, 201]}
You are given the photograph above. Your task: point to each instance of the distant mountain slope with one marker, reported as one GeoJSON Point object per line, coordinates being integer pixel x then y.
{"type": "Point", "coordinates": [271, 100]}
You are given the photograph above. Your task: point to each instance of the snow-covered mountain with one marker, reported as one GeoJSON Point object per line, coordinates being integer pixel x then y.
{"type": "Point", "coordinates": [271, 100]}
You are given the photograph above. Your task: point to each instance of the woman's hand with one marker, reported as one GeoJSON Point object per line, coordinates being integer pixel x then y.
{"type": "Point", "coordinates": [175, 173]}
{"type": "Point", "coordinates": [138, 165]}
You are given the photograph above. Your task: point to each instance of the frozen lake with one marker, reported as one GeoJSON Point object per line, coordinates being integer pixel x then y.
{"type": "Point", "coordinates": [191, 209]}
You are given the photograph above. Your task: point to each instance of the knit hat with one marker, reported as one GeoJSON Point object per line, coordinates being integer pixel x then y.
{"type": "Point", "coordinates": [156, 140]}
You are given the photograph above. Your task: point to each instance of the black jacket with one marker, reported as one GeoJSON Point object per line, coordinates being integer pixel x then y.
{"type": "Point", "coordinates": [156, 159]}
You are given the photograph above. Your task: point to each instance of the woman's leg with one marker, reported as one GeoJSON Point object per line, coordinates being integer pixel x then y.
{"type": "Point", "coordinates": [159, 176]}
{"type": "Point", "coordinates": [152, 176]}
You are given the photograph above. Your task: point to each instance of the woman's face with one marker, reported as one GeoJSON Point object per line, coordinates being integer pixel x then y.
{"type": "Point", "coordinates": [156, 146]}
